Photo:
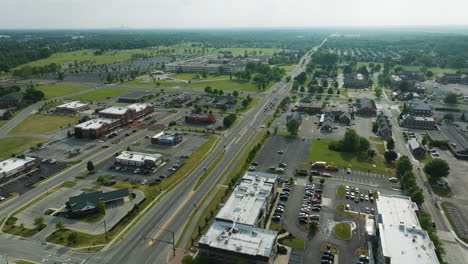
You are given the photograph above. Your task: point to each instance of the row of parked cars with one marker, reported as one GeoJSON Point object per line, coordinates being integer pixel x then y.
{"type": "Point", "coordinates": [281, 206]}
{"type": "Point", "coordinates": [311, 205]}
{"type": "Point", "coordinates": [328, 257]}
{"type": "Point", "coordinates": [356, 195]}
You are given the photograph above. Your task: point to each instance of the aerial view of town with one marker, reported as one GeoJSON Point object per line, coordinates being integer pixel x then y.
{"type": "Point", "coordinates": [249, 132]}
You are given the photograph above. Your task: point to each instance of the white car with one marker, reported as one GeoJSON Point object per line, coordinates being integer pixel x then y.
{"type": "Point", "coordinates": [2, 198]}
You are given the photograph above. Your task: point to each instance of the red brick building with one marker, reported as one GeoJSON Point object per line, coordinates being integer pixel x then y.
{"type": "Point", "coordinates": [127, 114]}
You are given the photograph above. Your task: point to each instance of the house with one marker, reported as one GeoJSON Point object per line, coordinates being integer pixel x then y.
{"type": "Point", "coordinates": [417, 122]}
{"type": "Point", "coordinates": [365, 107]}
{"type": "Point", "coordinates": [354, 80]}
{"type": "Point", "coordinates": [416, 148]}
{"type": "Point", "coordinates": [327, 125]}
{"type": "Point", "coordinates": [345, 118]}
{"type": "Point", "coordinates": [384, 126]}
{"type": "Point", "coordinates": [447, 78]}
{"type": "Point", "coordinates": [418, 108]}
{"type": "Point", "coordinates": [11, 99]}
{"type": "Point", "coordinates": [86, 203]}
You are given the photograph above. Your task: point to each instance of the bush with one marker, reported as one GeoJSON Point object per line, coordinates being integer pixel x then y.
{"type": "Point", "coordinates": [282, 250]}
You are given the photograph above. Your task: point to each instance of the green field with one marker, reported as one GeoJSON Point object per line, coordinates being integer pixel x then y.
{"type": "Point", "coordinates": [287, 68]}
{"type": "Point", "coordinates": [100, 94]}
{"type": "Point", "coordinates": [13, 145]}
{"type": "Point", "coordinates": [151, 83]}
{"type": "Point", "coordinates": [42, 124]}
{"type": "Point", "coordinates": [196, 76]}
{"type": "Point", "coordinates": [343, 231]}
{"type": "Point", "coordinates": [320, 152]}
{"type": "Point", "coordinates": [296, 243]}
{"type": "Point", "coordinates": [226, 85]}
{"type": "Point", "coordinates": [57, 90]}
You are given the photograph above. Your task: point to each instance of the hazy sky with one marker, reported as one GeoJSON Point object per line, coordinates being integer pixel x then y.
{"type": "Point", "coordinates": [228, 13]}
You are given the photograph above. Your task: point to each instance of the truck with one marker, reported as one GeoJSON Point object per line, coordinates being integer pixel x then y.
{"type": "Point", "coordinates": [319, 164]}
{"type": "Point", "coordinates": [331, 168]}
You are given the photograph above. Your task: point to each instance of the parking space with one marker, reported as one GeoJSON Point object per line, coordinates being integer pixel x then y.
{"type": "Point", "coordinates": [360, 200]}
{"type": "Point", "coordinates": [458, 220]}
{"type": "Point", "coordinates": [296, 256]}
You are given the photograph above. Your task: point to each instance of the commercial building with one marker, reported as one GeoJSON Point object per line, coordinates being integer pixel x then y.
{"type": "Point", "coordinates": [200, 118]}
{"type": "Point", "coordinates": [11, 99]}
{"type": "Point", "coordinates": [399, 237]}
{"type": "Point", "coordinates": [457, 139]}
{"type": "Point", "coordinates": [167, 138]}
{"type": "Point", "coordinates": [95, 128]}
{"type": "Point", "coordinates": [411, 76]}
{"type": "Point", "coordinates": [237, 234]}
{"type": "Point", "coordinates": [13, 167]}
{"type": "Point", "coordinates": [212, 64]}
{"type": "Point", "coordinates": [418, 108]}
{"type": "Point", "coordinates": [72, 107]}
{"type": "Point", "coordinates": [447, 78]}
{"type": "Point", "coordinates": [139, 159]}
{"type": "Point", "coordinates": [135, 97]}
{"type": "Point", "coordinates": [354, 80]}
{"type": "Point", "coordinates": [312, 107]}
{"type": "Point", "coordinates": [417, 149]}
{"type": "Point", "coordinates": [365, 107]}
{"type": "Point", "coordinates": [128, 113]}
{"type": "Point", "coordinates": [417, 122]}
{"type": "Point", "coordinates": [86, 203]}
{"type": "Point", "coordinates": [384, 126]}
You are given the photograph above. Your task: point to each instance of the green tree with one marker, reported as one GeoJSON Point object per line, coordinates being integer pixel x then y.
{"type": "Point", "coordinates": [390, 143]}
{"type": "Point", "coordinates": [390, 155]}
{"type": "Point", "coordinates": [204, 73]}
{"type": "Point", "coordinates": [451, 98]}
{"type": "Point", "coordinates": [330, 90]}
{"type": "Point", "coordinates": [101, 180]}
{"type": "Point", "coordinates": [90, 166]}
{"type": "Point", "coordinates": [437, 168]}
{"type": "Point", "coordinates": [61, 76]}
{"type": "Point", "coordinates": [245, 102]}
{"type": "Point", "coordinates": [301, 78]}
{"type": "Point", "coordinates": [38, 222]}
{"type": "Point", "coordinates": [60, 225]}
{"type": "Point", "coordinates": [229, 120]}
{"type": "Point", "coordinates": [172, 123]}
{"type": "Point", "coordinates": [293, 127]}
{"type": "Point", "coordinates": [378, 92]}
{"type": "Point", "coordinates": [73, 237]}
{"type": "Point", "coordinates": [449, 117]}
{"type": "Point", "coordinates": [313, 226]}
{"type": "Point", "coordinates": [417, 196]}
{"type": "Point", "coordinates": [322, 181]}
{"type": "Point", "coordinates": [235, 93]}
{"type": "Point", "coordinates": [364, 144]}
{"type": "Point", "coordinates": [101, 208]}
{"type": "Point", "coordinates": [351, 141]}
{"type": "Point", "coordinates": [109, 78]}
{"type": "Point", "coordinates": [403, 164]}
{"type": "Point", "coordinates": [208, 90]}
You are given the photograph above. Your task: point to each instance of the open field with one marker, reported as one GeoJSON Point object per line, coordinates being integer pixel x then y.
{"type": "Point", "coordinates": [196, 76]}
{"type": "Point", "coordinates": [287, 68]}
{"type": "Point", "coordinates": [13, 145]}
{"type": "Point", "coordinates": [100, 94]}
{"type": "Point", "coordinates": [226, 85]}
{"type": "Point", "coordinates": [57, 90]}
{"type": "Point", "coordinates": [42, 124]}
{"type": "Point", "coordinates": [151, 83]}
{"type": "Point", "coordinates": [320, 152]}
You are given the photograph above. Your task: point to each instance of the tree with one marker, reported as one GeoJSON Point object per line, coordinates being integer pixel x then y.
{"type": "Point", "coordinates": [313, 226]}
{"type": "Point", "coordinates": [330, 90]}
{"type": "Point", "coordinates": [449, 117]}
{"type": "Point", "coordinates": [351, 141]}
{"type": "Point", "coordinates": [172, 123]}
{"type": "Point", "coordinates": [390, 156]}
{"type": "Point", "coordinates": [235, 93]}
{"type": "Point", "coordinates": [73, 237]}
{"type": "Point", "coordinates": [204, 73]}
{"type": "Point", "coordinates": [335, 84]}
{"type": "Point", "coordinates": [60, 225]}
{"type": "Point", "coordinates": [90, 166]}
{"type": "Point", "coordinates": [245, 102]}
{"type": "Point", "coordinates": [325, 83]}
{"type": "Point", "coordinates": [371, 153]}
{"type": "Point", "coordinates": [229, 120]}
{"type": "Point", "coordinates": [437, 168]}
{"type": "Point", "coordinates": [101, 180]}
{"type": "Point", "coordinates": [403, 165]}
{"type": "Point", "coordinates": [208, 90]}
{"type": "Point", "coordinates": [109, 78]}
{"type": "Point", "coordinates": [364, 144]}
{"type": "Point", "coordinates": [375, 127]}
{"type": "Point", "coordinates": [301, 78]}
{"type": "Point", "coordinates": [417, 196]}
{"type": "Point", "coordinates": [61, 76]}
{"type": "Point", "coordinates": [378, 92]}
{"type": "Point", "coordinates": [390, 143]}
{"type": "Point", "coordinates": [293, 127]}
{"type": "Point", "coordinates": [39, 222]}
{"type": "Point", "coordinates": [101, 208]}
{"type": "Point", "coordinates": [291, 180]}
{"type": "Point", "coordinates": [220, 92]}
{"type": "Point", "coordinates": [322, 181]}
{"type": "Point", "coordinates": [310, 178]}
{"type": "Point", "coordinates": [451, 98]}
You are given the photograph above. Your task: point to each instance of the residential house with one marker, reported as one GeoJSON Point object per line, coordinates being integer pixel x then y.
{"type": "Point", "coordinates": [384, 126]}
{"type": "Point", "coordinates": [417, 149]}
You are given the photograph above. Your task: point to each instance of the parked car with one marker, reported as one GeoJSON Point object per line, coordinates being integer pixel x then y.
{"type": "Point", "coordinates": [393, 179]}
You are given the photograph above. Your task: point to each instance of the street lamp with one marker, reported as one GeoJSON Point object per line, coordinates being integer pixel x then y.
{"type": "Point", "coordinates": [169, 242]}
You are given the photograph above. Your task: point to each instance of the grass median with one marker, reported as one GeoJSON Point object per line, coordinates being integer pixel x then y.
{"type": "Point", "coordinates": [343, 231]}
{"type": "Point", "coordinates": [208, 171]}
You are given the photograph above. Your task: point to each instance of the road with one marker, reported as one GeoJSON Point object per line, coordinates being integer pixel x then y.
{"type": "Point", "coordinates": [170, 213]}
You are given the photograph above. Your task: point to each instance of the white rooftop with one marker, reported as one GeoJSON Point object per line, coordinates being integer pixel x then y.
{"type": "Point", "coordinates": [94, 123]}
{"type": "Point", "coordinates": [401, 236]}
{"type": "Point", "coordinates": [248, 199]}
{"type": "Point", "coordinates": [138, 156]}
{"type": "Point", "coordinates": [13, 163]}
{"type": "Point", "coordinates": [138, 107]}
{"type": "Point", "coordinates": [72, 105]}
{"type": "Point", "coordinates": [239, 238]}
{"type": "Point", "coordinates": [114, 110]}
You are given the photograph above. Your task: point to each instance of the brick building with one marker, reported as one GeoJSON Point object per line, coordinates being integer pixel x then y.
{"type": "Point", "coordinates": [365, 107]}
{"type": "Point", "coordinates": [417, 122]}
{"type": "Point", "coordinates": [11, 99]}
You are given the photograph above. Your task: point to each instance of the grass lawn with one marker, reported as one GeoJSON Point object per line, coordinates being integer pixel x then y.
{"type": "Point", "coordinates": [42, 124]}
{"type": "Point", "coordinates": [208, 171]}
{"type": "Point", "coordinates": [253, 103]}
{"type": "Point", "coordinates": [100, 94]}
{"type": "Point", "coordinates": [319, 152]}
{"type": "Point", "coordinates": [287, 68]}
{"type": "Point", "coordinates": [18, 231]}
{"type": "Point", "coordinates": [24, 262]}
{"type": "Point", "coordinates": [277, 227]}
{"type": "Point", "coordinates": [57, 90]}
{"type": "Point", "coordinates": [296, 243]}
{"type": "Point", "coordinates": [83, 239]}
{"type": "Point", "coordinates": [151, 83]}
{"type": "Point", "coordinates": [341, 191]}
{"type": "Point", "coordinates": [343, 231]}
{"type": "Point", "coordinates": [227, 85]}
{"type": "Point", "coordinates": [92, 218]}
{"type": "Point", "coordinates": [380, 148]}
{"type": "Point", "coordinates": [425, 159]}
{"type": "Point", "coordinates": [69, 184]}
{"type": "Point", "coordinates": [435, 70]}
{"type": "Point", "coordinates": [13, 145]}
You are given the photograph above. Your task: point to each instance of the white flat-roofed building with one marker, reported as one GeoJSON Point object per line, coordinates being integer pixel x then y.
{"type": "Point", "coordinates": [236, 234]}
{"type": "Point", "coordinates": [127, 114]}
{"type": "Point", "coordinates": [114, 110]}
{"type": "Point", "coordinates": [72, 107]}
{"type": "Point", "coordinates": [250, 199]}
{"type": "Point", "coordinates": [95, 128]}
{"type": "Point", "coordinates": [400, 236]}
{"type": "Point", "coordinates": [139, 159]}
{"type": "Point", "coordinates": [15, 166]}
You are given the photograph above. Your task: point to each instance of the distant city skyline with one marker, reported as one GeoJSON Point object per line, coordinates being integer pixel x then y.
{"type": "Point", "coordinates": [155, 14]}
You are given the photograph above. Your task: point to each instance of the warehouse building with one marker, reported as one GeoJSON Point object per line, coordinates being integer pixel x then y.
{"type": "Point", "coordinates": [72, 107]}
{"type": "Point", "coordinates": [237, 234]}
{"type": "Point", "coordinates": [399, 237]}
{"type": "Point", "coordinates": [139, 159]}
{"type": "Point", "coordinates": [167, 138]}
{"type": "Point", "coordinates": [135, 97]}
{"type": "Point", "coordinates": [96, 128]}
{"type": "Point", "coordinates": [14, 167]}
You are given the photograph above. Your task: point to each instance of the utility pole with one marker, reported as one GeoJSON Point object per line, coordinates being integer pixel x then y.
{"type": "Point", "coordinates": [105, 230]}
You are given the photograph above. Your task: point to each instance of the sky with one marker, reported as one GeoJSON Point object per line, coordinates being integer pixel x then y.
{"type": "Point", "coordinates": [86, 14]}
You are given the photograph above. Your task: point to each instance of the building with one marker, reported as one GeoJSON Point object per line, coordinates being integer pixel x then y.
{"type": "Point", "coordinates": [416, 148]}
{"type": "Point", "coordinates": [327, 125]}
{"type": "Point", "coordinates": [167, 138]}
{"type": "Point", "coordinates": [294, 116]}
{"type": "Point", "coordinates": [447, 78]}
{"type": "Point", "coordinates": [399, 237]}
{"type": "Point", "coordinates": [395, 81]}
{"type": "Point", "coordinates": [135, 97]}
{"type": "Point", "coordinates": [365, 107]}
{"type": "Point", "coordinates": [72, 107]}
{"type": "Point", "coordinates": [384, 126]}
{"type": "Point", "coordinates": [418, 108]}
{"type": "Point", "coordinates": [237, 234]}
{"type": "Point", "coordinates": [312, 107]}
{"type": "Point", "coordinates": [417, 122]}
{"type": "Point", "coordinates": [200, 118]}
{"type": "Point", "coordinates": [354, 80]}
{"type": "Point", "coordinates": [13, 167]}
{"type": "Point", "coordinates": [344, 118]}
{"type": "Point", "coordinates": [211, 64]}
{"type": "Point", "coordinates": [95, 128]}
{"type": "Point", "coordinates": [221, 101]}
{"type": "Point", "coordinates": [127, 114]}
{"type": "Point", "coordinates": [139, 159]}
{"type": "Point", "coordinates": [457, 140]}
{"type": "Point", "coordinates": [86, 203]}
{"type": "Point", "coordinates": [11, 99]}
{"type": "Point", "coordinates": [411, 76]}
